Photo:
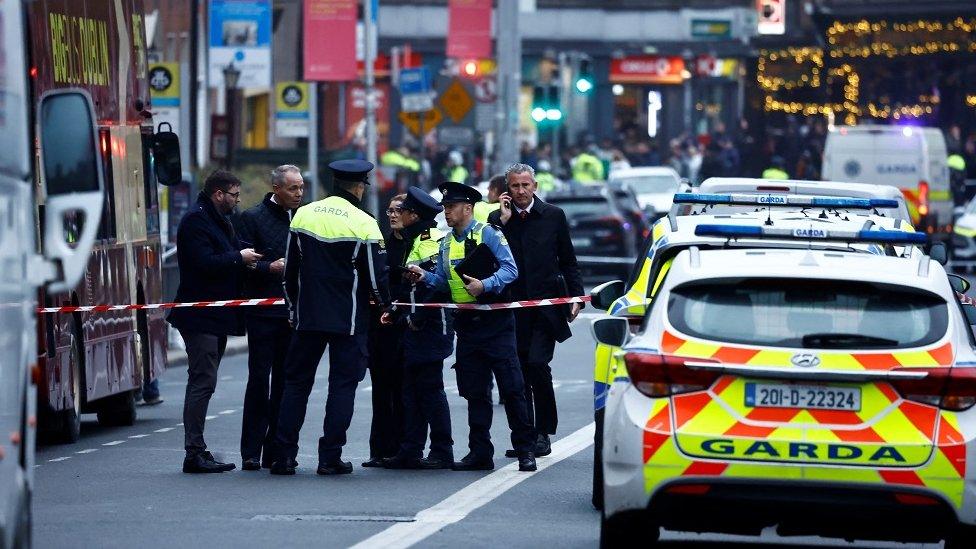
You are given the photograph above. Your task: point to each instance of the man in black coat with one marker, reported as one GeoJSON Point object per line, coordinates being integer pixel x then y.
{"type": "Point", "coordinates": [265, 228]}
{"type": "Point", "coordinates": [539, 236]}
{"type": "Point", "coordinates": [212, 266]}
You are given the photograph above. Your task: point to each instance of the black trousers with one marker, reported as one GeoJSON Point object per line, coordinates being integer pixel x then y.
{"type": "Point", "coordinates": [386, 375]}
{"type": "Point", "coordinates": [425, 405]}
{"type": "Point", "coordinates": [347, 367]}
{"type": "Point", "coordinates": [535, 350]}
{"type": "Point", "coordinates": [267, 345]}
{"type": "Point", "coordinates": [486, 346]}
{"type": "Point", "coordinates": [203, 353]}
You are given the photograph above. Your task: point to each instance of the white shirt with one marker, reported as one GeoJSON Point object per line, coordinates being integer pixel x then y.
{"type": "Point", "coordinates": [527, 208]}
{"type": "Point", "coordinates": [274, 199]}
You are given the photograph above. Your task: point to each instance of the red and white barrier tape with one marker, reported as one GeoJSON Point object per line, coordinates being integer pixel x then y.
{"type": "Point", "coordinates": [277, 301]}
{"type": "Point", "coordinates": [136, 307]}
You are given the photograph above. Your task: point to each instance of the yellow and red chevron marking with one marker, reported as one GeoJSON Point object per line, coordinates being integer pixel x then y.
{"type": "Point", "coordinates": [928, 437]}
{"type": "Point", "coordinates": [934, 356]}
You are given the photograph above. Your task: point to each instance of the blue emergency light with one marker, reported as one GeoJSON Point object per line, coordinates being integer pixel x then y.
{"type": "Point", "coordinates": [812, 233]}
{"type": "Point", "coordinates": [784, 201]}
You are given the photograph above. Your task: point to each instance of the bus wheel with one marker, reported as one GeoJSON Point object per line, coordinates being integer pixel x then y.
{"type": "Point", "coordinates": [118, 410]}
{"type": "Point", "coordinates": [69, 419]}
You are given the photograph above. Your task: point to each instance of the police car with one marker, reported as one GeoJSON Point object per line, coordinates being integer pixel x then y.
{"type": "Point", "coordinates": [824, 392]}
{"type": "Point", "coordinates": [787, 187]}
{"type": "Point", "coordinates": [675, 233]}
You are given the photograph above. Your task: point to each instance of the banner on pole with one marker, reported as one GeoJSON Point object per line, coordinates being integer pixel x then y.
{"type": "Point", "coordinates": [164, 92]}
{"type": "Point", "coordinates": [330, 40]}
{"type": "Point", "coordinates": [469, 29]}
{"type": "Point", "coordinates": [240, 33]}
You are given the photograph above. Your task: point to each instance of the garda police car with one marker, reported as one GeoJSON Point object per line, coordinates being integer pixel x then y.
{"type": "Point", "coordinates": [825, 392]}
{"type": "Point", "coordinates": [675, 233]}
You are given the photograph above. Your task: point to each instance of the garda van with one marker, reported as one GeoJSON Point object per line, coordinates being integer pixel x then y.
{"type": "Point", "coordinates": [911, 158]}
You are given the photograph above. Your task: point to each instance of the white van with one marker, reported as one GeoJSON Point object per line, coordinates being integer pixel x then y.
{"type": "Point", "coordinates": [911, 158]}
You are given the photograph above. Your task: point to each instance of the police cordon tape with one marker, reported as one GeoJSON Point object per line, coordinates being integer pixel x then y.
{"type": "Point", "coordinates": [278, 301]}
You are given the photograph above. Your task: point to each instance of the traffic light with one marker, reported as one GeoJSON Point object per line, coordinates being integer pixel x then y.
{"type": "Point", "coordinates": [470, 68]}
{"type": "Point", "coordinates": [545, 104]}
{"type": "Point", "coordinates": [584, 79]}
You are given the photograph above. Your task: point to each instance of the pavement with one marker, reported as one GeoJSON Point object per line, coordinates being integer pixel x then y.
{"type": "Point", "coordinates": [122, 487]}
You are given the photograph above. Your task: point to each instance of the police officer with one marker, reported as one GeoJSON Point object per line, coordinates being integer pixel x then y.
{"type": "Point", "coordinates": [486, 339]}
{"type": "Point", "coordinates": [428, 337]}
{"type": "Point", "coordinates": [496, 186]}
{"type": "Point", "coordinates": [335, 264]}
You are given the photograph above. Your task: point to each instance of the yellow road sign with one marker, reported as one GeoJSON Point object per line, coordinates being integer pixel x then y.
{"type": "Point", "coordinates": [456, 100]}
{"type": "Point", "coordinates": [430, 118]}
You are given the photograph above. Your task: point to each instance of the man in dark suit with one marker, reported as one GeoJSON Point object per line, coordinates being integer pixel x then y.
{"type": "Point", "coordinates": [539, 236]}
{"type": "Point", "coordinates": [265, 227]}
{"type": "Point", "coordinates": [212, 266]}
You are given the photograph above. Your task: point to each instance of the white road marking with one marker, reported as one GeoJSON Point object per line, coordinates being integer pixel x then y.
{"type": "Point", "coordinates": [211, 417]}
{"type": "Point", "coordinates": [179, 424]}
{"type": "Point", "coordinates": [462, 503]}
{"type": "Point", "coordinates": [114, 443]}
{"type": "Point", "coordinates": [88, 451]}
{"type": "Point", "coordinates": [164, 430]}
{"type": "Point", "coordinates": [62, 458]}
{"type": "Point", "coordinates": [138, 436]}
{"type": "Point", "coordinates": [225, 412]}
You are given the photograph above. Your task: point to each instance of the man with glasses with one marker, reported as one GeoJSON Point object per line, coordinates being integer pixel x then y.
{"type": "Point", "coordinates": [212, 266]}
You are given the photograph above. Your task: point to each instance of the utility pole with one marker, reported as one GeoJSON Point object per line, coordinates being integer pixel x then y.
{"type": "Point", "coordinates": [313, 138]}
{"type": "Point", "coordinates": [508, 45]}
{"type": "Point", "coordinates": [369, 27]}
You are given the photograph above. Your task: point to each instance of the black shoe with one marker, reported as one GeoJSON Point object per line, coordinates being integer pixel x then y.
{"type": "Point", "coordinates": [251, 464]}
{"type": "Point", "coordinates": [337, 468]}
{"type": "Point", "coordinates": [400, 462]}
{"type": "Point", "coordinates": [542, 446]}
{"type": "Point", "coordinates": [204, 462]}
{"type": "Point", "coordinates": [284, 467]}
{"type": "Point", "coordinates": [431, 463]}
{"type": "Point", "coordinates": [471, 463]}
{"type": "Point", "coordinates": [511, 454]}
{"type": "Point", "coordinates": [374, 462]}
{"type": "Point", "coordinates": [527, 463]}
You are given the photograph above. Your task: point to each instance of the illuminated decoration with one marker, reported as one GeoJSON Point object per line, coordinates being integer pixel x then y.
{"type": "Point", "coordinates": [817, 70]}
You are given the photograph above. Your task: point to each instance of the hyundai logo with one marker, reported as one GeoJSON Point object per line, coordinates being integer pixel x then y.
{"type": "Point", "coordinates": [805, 360]}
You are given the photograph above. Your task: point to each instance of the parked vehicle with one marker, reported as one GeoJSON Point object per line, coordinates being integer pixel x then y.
{"type": "Point", "coordinates": [654, 187]}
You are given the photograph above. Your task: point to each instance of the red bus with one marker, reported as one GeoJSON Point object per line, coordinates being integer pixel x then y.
{"type": "Point", "coordinates": [95, 362]}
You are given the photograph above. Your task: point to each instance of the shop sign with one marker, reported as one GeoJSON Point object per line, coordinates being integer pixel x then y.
{"type": "Point", "coordinates": [647, 69]}
{"type": "Point", "coordinates": [711, 29]}
{"type": "Point", "coordinates": [716, 67]}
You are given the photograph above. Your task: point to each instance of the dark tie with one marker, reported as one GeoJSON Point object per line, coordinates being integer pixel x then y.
{"type": "Point", "coordinates": [523, 214]}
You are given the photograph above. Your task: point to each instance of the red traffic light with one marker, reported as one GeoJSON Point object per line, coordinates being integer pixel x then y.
{"type": "Point", "coordinates": [470, 68]}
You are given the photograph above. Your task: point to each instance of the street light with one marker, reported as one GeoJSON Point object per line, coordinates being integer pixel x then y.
{"type": "Point", "coordinates": [231, 75]}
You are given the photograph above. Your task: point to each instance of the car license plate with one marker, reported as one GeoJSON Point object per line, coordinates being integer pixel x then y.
{"type": "Point", "coordinates": [581, 242]}
{"type": "Point", "coordinates": [781, 395]}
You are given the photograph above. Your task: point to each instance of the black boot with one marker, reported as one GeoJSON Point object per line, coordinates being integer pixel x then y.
{"type": "Point", "coordinates": [204, 462]}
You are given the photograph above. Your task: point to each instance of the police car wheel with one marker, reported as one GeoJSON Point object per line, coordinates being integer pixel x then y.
{"type": "Point", "coordinates": [624, 528]}
{"type": "Point", "coordinates": [961, 536]}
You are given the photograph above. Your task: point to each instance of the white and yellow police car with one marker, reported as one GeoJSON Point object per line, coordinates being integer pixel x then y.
{"type": "Point", "coordinates": [676, 233]}
{"type": "Point", "coordinates": [824, 392]}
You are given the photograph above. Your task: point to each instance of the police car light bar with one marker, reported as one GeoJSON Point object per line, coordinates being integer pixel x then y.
{"type": "Point", "coordinates": [775, 200]}
{"type": "Point", "coordinates": [751, 231]}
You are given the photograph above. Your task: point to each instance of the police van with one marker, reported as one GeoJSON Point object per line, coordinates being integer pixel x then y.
{"type": "Point", "coordinates": [914, 159]}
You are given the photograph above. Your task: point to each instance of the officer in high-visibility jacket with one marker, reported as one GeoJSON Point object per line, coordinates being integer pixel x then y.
{"type": "Point", "coordinates": [486, 339]}
{"type": "Point", "coordinates": [428, 336]}
{"type": "Point", "coordinates": [335, 265]}
{"type": "Point", "coordinates": [496, 187]}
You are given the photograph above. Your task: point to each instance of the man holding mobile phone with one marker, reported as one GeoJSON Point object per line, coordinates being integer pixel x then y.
{"type": "Point", "coordinates": [539, 236]}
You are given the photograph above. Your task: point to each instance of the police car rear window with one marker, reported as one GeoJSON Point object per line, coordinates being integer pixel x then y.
{"type": "Point", "coordinates": [816, 314]}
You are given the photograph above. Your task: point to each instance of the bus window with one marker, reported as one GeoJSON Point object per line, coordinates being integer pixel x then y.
{"type": "Point", "coordinates": [107, 229]}
{"type": "Point", "coordinates": [149, 185]}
